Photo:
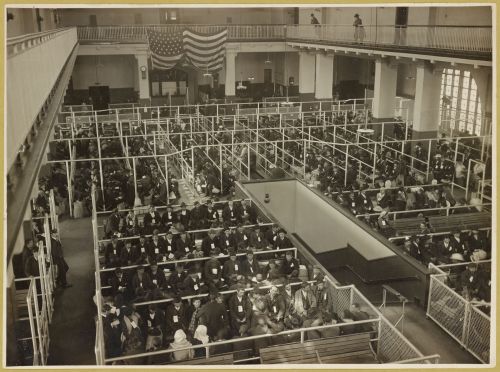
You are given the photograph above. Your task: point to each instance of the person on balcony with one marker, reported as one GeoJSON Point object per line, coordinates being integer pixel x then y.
{"type": "Point", "coordinates": [359, 30]}
{"type": "Point", "coordinates": [314, 20]}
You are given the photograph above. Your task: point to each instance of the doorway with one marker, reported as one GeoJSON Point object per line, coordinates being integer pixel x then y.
{"type": "Point", "coordinates": [92, 20]}
{"type": "Point", "coordinates": [99, 96]}
{"type": "Point", "coordinates": [401, 25]}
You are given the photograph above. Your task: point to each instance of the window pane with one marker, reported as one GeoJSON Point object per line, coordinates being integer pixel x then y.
{"type": "Point", "coordinates": [467, 73]}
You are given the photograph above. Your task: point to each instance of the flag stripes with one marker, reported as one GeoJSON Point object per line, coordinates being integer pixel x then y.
{"type": "Point", "coordinates": [204, 51]}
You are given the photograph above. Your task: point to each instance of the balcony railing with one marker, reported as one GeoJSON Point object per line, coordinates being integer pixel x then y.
{"type": "Point", "coordinates": [447, 38]}
{"type": "Point", "coordinates": [467, 38]}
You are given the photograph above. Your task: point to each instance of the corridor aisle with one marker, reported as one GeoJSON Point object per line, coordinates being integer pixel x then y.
{"type": "Point", "coordinates": [72, 332]}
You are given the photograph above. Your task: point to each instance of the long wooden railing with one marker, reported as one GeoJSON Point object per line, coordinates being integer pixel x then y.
{"type": "Point", "coordinates": [450, 38]}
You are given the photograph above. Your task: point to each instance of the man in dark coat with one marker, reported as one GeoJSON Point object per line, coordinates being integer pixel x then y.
{"type": "Point", "coordinates": [213, 315]}
{"type": "Point", "coordinates": [58, 259]}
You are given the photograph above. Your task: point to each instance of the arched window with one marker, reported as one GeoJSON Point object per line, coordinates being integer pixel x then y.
{"type": "Point", "coordinates": [460, 104]}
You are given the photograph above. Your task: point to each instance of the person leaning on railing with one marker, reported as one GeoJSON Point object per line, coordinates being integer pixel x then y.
{"type": "Point", "coordinates": [359, 31]}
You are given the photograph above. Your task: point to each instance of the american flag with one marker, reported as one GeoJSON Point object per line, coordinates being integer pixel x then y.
{"type": "Point", "coordinates": [165, 48]}
{"type": "Point", "coordinates": [205, 51]}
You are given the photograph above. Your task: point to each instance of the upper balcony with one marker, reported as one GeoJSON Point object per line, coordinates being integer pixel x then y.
{"type": "Point", "coordinates": [473, 42]}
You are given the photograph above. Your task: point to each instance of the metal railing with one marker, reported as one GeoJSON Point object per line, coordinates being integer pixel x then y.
{"type": "Point", "coordinates": [468, 39]}
{"type": "Point", "coordinates": [461, 318]}
{"type": "Point", "coordinates": [461, 38]}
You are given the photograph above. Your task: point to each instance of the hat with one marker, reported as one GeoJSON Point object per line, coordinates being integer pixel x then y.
{"type": "Point", "coordinates": [457, 257]}
{"type": "Point", "coordinates": [183, 204]}
{"type": "Point", "coordinates": [232, 252]}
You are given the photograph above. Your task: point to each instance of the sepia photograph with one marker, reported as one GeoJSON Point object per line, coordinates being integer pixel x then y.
{"type": "Point", "coordinates": [258, 186]}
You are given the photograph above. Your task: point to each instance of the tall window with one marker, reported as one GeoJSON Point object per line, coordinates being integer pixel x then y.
{"type": "Point", "coordinates": [460, 105]}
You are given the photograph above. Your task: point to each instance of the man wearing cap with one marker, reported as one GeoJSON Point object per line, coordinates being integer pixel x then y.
{"type": "Point", "coordinates": [156, 247]}
{"type": "Point", "coordinates": [214, 314]}
{"type": "Point", "coordinates": [129, 255]}
{"type": "Point", "coordinates": [231, 266]}
{"type": "Point", "coordinates": [113, 252]}
{"type": "Point", "coordinates": [323, 295]}
{"type": "Point", "coordinates": [184, 245]}
{"type": "Point", "coordinates": [290, 266]}
{"type": "Point", "coordinates": [152, 220]}
{"type": "Point", "coordinates": [241, 236]}
{"type": "Point", "coordinates": [210, 215]}
{"type": "Point", "coordinates": [184, 216]}
{"type": "Point", "coordinates": [240, 310]}
{"type": "Point", "coordinates": [276, 305]}
{"type": "Point", "coordinates": [225, 239]}
{"type": "Point", "coordinates": [176, 317]}
{"type": "Point", "coordinates": [154, 327]}
{"type": "Point", "coordinates": [230, 214]}
{"type": "Point", "coordinates": [213, 271]}
{"type": "Point", "coordinates": [249, 266]}
{"type": "Point", "coordinates": [169, 218]}
{"type": "Point", "coordinates": [209, 242]}
{"type": "Point", "coordinates": [272, 234]}
{"type": "Point", "coordinates": [119, 284]}
{"type": "Point", "coordinates": [257, 238]}
{"type": "Point", "coordinates": [193, 284]}
{"type": "Point", "coordinates": [460, 244]}
{"type": "Point", "coordinates": [196, 217]}
{"type": "Point", "coordinates": [157, 276]}
{"type": "Point", "coordinates": [282, 241]}
{"type": "Point", "coordinates": [470, 281]}
{"type": "Point", "coordinates": [141, 283]}
{"type": "Point", "coordinates": [170, 246]}
{"type": "Point", "coordinates": [176, 279]}
{"type": "Point", "coordinates": [249, 213]}
{"type": "Point", "coordinates": [58, 259]}
{"type": "Point", "coordinates": [445, 249]}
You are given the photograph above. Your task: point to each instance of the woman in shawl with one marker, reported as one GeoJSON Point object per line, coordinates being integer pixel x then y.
{"type": "Point", "coordinates": [132, 338]}
{"type": "Point", "coordinates": [200, 338]}
{"type": "Point", "coordinates": [180, 341]}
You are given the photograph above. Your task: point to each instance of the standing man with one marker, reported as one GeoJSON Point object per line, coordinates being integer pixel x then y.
{"type": "Point", "coordinates": [359, 30]}
{"type": "Point", "coordinates": [314, 20]}
{"type": "Point", "coordinates": [59, 261]}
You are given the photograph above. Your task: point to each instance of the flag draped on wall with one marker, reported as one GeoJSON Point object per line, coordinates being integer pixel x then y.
{"type": "Point", "coordinates": [165, 48]}
{"type": "Point", "coordinates": [205, 51]}
{"type": "Point", "coordinates": [169, 47]}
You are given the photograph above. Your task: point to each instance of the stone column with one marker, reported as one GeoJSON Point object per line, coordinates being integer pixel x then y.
{"type": "Point", "coordinates": [384, 91]}
{"type": "Point", "coordinates": [427, 101]}
{"type": "Point", "coordinates": [307, 71]}
{"type": "Point", "coordinates": [324, 76]}
{"type": "Point", "coordinates": [230, 85]}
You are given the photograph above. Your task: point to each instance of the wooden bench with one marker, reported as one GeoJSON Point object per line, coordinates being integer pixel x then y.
{"type": "Point", "coordinates": [466, 221]}
{"type": "Point", "coordinates": [222, 359]}
{"type": "Point", "coordinates": [341, 349]}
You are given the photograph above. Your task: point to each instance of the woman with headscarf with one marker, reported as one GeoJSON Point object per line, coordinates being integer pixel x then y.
{"type": "Point", "coordinates": [200, 338]}
{"type": "Point", "coordinates": [180, 341]}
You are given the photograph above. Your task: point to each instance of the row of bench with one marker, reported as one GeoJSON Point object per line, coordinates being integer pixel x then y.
{"type": "Point", "coordinates": [466, 221]}
{"type": "Point", "coordinates": [348, 349]}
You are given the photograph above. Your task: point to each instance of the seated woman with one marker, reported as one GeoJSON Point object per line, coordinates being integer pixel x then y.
{"type": "Point", "coordinates": [200, 337]}
{"type": "Point", "coordinates": [180, 341]}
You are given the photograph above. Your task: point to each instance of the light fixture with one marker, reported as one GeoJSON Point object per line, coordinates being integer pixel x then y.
{"type": "Point", "coordinates": [251, 78]}
{"type": "Point", "coordinates": [267, 61]}
{"type": "Point", "coordinates": [206, 73]}
{"type": "Point", "coordinates": [240, 84]}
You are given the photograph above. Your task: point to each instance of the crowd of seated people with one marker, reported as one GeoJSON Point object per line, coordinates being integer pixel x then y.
{"type": "Point", "coordinates": [201, 216]}
{"type": "Point", "coordinates": [249, 309]}
{"type": "Point", "coordinates": [458, 246]}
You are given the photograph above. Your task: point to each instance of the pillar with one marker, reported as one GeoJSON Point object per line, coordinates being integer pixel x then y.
{"type": "Point", "coordinates": [143, 74]}
{"type": "Point", "coordinates": [384, 90]}
{"type": "Point", "coordinates": [427, 101]}
{"type": "Point", "coordinates": [230, 85]}
{"type": "Point", "coordinates": [324, 76]}
{"type": "Point", "coordinates": [307, 70]}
